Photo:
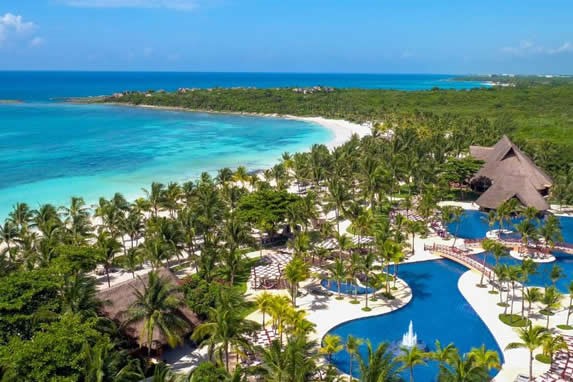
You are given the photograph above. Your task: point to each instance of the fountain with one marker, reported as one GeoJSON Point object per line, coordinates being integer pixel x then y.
{"type": "Point", "coordinates": [410, 339]}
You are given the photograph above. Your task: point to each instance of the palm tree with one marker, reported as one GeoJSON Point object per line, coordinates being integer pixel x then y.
{"type": "Point", "coordinates": [553, 344]}
{"type": "Point", "coordinates": [241, 175]}
{"type": "Point", "coordinates": [442, 354]}
{"type": "Point", "coordinates": [378, 364]}
{"type": "Point", "coordinates": [338, 273]}
{"type": "Point", "coordinates": [331, 344]}
{"type": "Point", "coordinates": [462, 368]}
{"type": "Point", "coordinates": [485, 358]}
{"type": "Point", "coordinates": [570, 307]}
{"type": "Point", "coordinates": [78, 294]}
{"type": "Point", "coordinates": [77, 220]}
{"type": "Point", "coordinates": [556, 274]}
{"type": "Point", "coordinates": [352, 346]}
{"type": "Point", "coordinates": [293, 362]}
{"type": "Point", "coordinates": [551, 300]}
{"type": "Point", "coordinates": [496, 248]}
{"type": "Point", "coordinates": [531, 338]}
{"type": "Point", "coordinates": [527, 230]}
{"type": "Point", "coordinates": [8, 233]}
{"type": "Point", "coordinates": [414, 227]}
{"type": "Point", "coordinates": [550, 231]}
{"type": "Point", "coordinates": [411, 357]}
{"type": "Point", "coordinates": [21, 215]}
{"type": "Point", "coordinates": [532, 295]}
{"type": "Point", "coordinates": [108, 247]}
{"type": "Point", "coordinates": [296, 271]}
{"type": "Point", "coordinates": [155, 196]}
{"type": "Point", "coordinates": [263, 302]}
{"type": "Point", "coordinates": [338, 197]}
{"type": "Point", "coordinates": [157, 304]}
{"type": "Point", "coordinates": [103, 362]}
{"type": "Point", "coordinates": [224, 329]}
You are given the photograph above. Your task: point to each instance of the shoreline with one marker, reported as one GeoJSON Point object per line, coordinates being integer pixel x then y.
{"type": "Point", "coordinates": [341, 132]}
{"type": "Point", "coordinates": [342, 129]}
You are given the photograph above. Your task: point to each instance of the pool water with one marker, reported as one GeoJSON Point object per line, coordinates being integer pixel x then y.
{"type": "Point", "coordinates": [473, 225]}
{"type": "Point", "coordinates": [438, 311]}
{"type": "Point", "coordinates": [541, 277]}
{"type": "Point", "coordinates": [346, 287]}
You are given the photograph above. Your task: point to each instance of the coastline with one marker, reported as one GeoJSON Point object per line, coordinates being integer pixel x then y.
{"type": "Point", "coordinates": [341, 128]}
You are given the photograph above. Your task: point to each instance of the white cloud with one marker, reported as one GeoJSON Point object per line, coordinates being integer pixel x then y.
{"type": "Point", "coordinates": [14, 25]}
{"type": "Point", "coordinates": [181, 5]}
{"type": "Point", "coordinates": [36, 41]}
{"type": "Point", "coordinates": [526, 48]}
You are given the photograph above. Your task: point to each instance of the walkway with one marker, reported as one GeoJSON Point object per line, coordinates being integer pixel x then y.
{"type": "Point", "coordinates": [562, 367]}
{"type": "Point", "coordinates": [460, 257]}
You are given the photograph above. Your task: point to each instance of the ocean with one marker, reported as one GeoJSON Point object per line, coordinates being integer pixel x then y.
{"type": "Point", "coordinates": [51, 151]}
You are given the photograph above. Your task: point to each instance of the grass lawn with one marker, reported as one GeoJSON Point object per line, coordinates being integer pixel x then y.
{"type": "Point", "coordinates": [514, 320]}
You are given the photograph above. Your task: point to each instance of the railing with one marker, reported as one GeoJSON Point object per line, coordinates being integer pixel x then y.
{"type": "Point", "coordinates": [458, 256]}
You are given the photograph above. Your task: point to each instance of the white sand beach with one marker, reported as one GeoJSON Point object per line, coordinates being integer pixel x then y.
{"type": "Point", "coordinates": [342, 129]}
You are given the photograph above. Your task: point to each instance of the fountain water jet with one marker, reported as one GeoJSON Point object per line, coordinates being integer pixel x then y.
{"type": "Point", "coordinates": [410, 339]}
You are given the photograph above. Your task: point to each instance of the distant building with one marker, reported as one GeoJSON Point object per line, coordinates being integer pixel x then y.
{"type": "Point", "coordinates": [509, 173]}
{"type": "Point", "coordinates": [117, 300]}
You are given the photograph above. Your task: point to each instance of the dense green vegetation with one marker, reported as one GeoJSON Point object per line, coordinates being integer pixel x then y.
{"type": "Point", "coordinates": [539, 118]}
{"type": "Point", "coordinates": [51, 321]}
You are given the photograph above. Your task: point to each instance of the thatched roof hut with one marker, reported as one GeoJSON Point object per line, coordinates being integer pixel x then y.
{"type": "Point", "coordinates": [512, 174]}
{"type": "Point", "coordinates": [118, 298]}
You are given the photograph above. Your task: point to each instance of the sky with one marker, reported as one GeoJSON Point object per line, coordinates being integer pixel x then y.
{"type": "Point", "coordinates": [346, 36]}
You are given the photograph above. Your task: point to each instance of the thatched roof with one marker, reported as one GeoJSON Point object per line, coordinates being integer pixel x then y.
{"type": "Point", "coordinates": [513, 175]}
{"type": "Point", "coordinates": [118, 298]}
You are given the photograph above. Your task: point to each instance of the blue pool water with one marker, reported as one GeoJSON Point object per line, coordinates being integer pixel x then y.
{"type": "Point", "coordinates": [541, 277]}
{"type": "Point", "coordinates": [345, 287]}
{"type": "Point", "coordinates": [473, 224]}
{"type": "Point", "coordinates": [51, 151]}
{"type": "Point", "coordinates": [438, 311]}
{"type": "Point", "coordinates": [46, 85]}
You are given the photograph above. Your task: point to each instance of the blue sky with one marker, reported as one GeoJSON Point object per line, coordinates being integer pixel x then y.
{"type": "Point", "coordinates": [375, 36]}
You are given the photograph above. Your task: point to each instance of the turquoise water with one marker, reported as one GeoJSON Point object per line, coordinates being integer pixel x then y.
{"type": "Point", "coordinates": [542, 276]}
{"type": "Point", "coordinates": [345, 287]}
{"type": "Point", "coordinates": [50, 151]}
{"type": "Point", "coordinates": [47, 85]}
{"type": "Point", "coordinates": [437, 309]}
{"type": "Point", "coordinates": [473, 225]}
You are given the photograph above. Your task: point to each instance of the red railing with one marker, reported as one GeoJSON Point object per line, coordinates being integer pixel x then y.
{"type": "Point", "coordinates": [459, 256]}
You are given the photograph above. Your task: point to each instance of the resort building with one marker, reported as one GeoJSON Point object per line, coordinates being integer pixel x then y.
{"type": "Point", "coordinates": [117, 300]}
{"type": "Point", "coordinates": [508, 173]}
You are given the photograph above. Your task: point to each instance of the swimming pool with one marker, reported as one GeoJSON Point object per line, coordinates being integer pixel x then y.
{"type": "Point", "coordinates": [541, 278]}
{"type": "Point", "coordinates": [346, 287]}
{"type": "Point", "coordinates": [473, 225]}
{"type": "Point", "coordinates": [438, 311]}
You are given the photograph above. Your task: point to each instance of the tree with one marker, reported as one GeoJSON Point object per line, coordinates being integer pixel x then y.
{"type": "Point", "coordinates": [570, 307]}
{"type": "Point", "coordinates": [224, 329]}
{"type": "Point", "coordinates": [297, 270]}
{"type": "Point", "coordinates": [54, 353]}
{"type": "Point", "coordinates": [263, 301]}
{"type": "Point", "coordinates": [109, 247]}
{"type": "Point", "coordinates": [532, 295]}
{"type": "Point", "coordinates": [155, 196]}
{"type": "Point", "coordinates": [484, 358]}
{"type": "Point", "coordinates": [157, 304]}
{"type": "Point", "coordinates": [411, 357]}
{"type": "Point", "coordinates": [338, 273]}
{"type": "Point", "coordinates": [550, 232]}
{"type": "Point", "coordinates": [331, 344]}
{"type": "Point", "coordinates": [442, 354]}
{"type": "Point", "coordinates": [352, 347]}
{"type": "Point", "coordinates": [551, 300]}
{"type": "Point", "coordinates": [378, 364]}
{"type": "Point", "coordinates": [553, 344]}
{"type": "Point", "coordinates": [531, 338]}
